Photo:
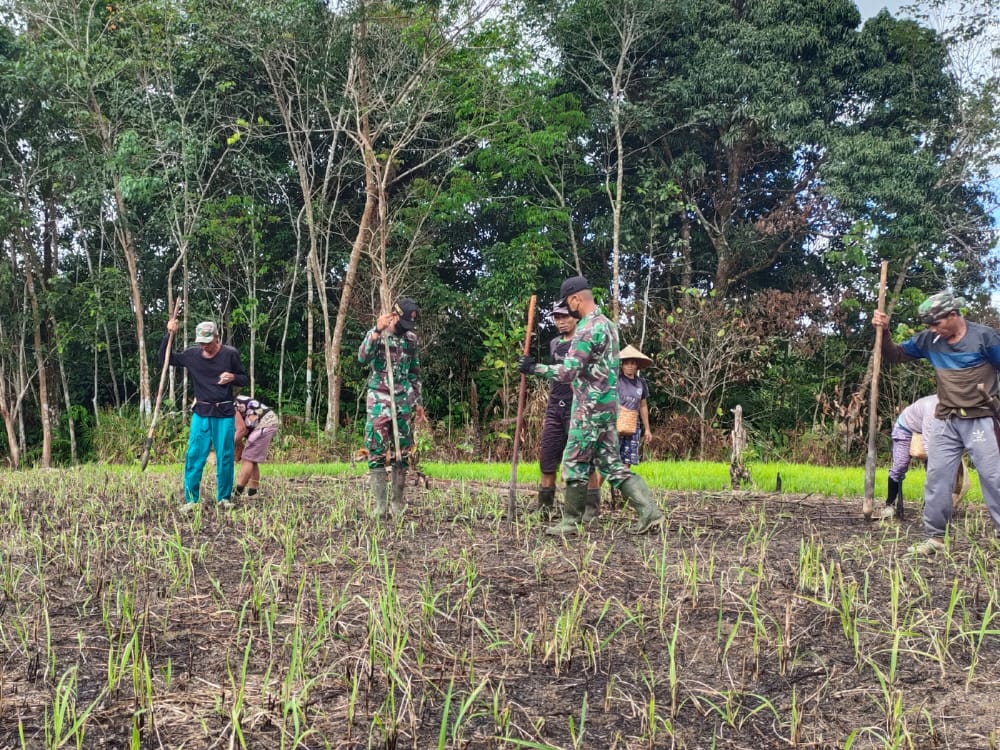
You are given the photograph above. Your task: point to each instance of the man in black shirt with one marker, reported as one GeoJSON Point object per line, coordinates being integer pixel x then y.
{"type": "Point", "coordinates": [214, 369]}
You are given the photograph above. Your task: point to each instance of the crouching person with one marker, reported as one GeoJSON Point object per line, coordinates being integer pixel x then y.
{"type": "Point", "coordinates": [256, 426]}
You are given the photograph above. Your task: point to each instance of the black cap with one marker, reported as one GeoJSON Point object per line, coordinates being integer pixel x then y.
{"type": "Point", "coordinates": [406, 309]}
{"type": "Point", "coordinates": [572, 285]}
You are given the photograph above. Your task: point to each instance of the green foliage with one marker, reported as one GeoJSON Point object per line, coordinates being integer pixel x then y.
{"type": "Point", "coordinates": [118, 436]}
{"type": "Point", "coordinates": [770, 148]}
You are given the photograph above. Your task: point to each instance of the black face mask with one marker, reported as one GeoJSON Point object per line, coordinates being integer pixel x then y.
{"type": "Point", "coordinates": [398, 329]}
{"type": "Point", "coordinates": [574, 313]}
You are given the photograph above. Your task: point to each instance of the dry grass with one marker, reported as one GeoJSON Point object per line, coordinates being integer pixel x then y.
{"type": "Point", "coordinates": [753, 621]}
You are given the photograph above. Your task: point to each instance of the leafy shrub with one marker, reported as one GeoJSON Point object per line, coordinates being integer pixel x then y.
{"type": "Point", "coordinates": [119, 436]}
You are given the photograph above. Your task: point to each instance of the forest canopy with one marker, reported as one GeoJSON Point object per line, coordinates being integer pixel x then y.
{"type": "Point", "coordinates": [728, 174]}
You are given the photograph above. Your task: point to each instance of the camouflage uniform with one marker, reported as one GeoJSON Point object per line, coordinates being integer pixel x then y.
{"type": "Point", "coordinates": [592, 366]}
{"type": "Point", "coordinates": [406, 379]}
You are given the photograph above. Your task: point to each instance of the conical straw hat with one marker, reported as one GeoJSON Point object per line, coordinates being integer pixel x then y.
{"type": "Point", "coordinates": [630, 352]}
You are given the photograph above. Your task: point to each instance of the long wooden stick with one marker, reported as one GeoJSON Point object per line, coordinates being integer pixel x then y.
{"type": "Point", "coordinates": [871, 458]}
{"type": "Point", "coordinates": [521, 395]}
{"type": "Point", "coordinates": [159, 392]}
{"type": "Point", "coordinates": [398, 460]}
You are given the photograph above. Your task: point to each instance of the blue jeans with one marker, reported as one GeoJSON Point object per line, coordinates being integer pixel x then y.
{"type": "Point", "coordinates": [206, 433]}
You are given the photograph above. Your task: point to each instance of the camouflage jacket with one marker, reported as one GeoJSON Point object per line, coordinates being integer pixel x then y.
{"type": "Point", "coordinates": [591, 365]}
{"type": "Point", "coordinates": [405, 366]}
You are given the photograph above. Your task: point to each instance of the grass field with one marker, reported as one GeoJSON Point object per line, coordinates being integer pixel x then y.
{"type": "Point", "coordinates": [664, 475]}
{"type": "Point", "coordinates": [756, 619]}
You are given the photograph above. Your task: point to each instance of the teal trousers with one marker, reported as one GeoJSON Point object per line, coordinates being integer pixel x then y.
{"type": "Point", "coordinates": [207, 433]}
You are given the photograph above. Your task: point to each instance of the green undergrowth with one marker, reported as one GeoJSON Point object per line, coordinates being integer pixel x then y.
{"type": "Point", "coordinates": [714, 477]}
{"type": "Point", "coordinates": [682, 476]}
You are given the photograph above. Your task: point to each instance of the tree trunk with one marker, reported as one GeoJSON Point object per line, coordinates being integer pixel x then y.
{"type": "Point", "coordinates": [616, 218]}
{"type": "Point", "coordinates": [40, 366]}
{"type": "Point", "coordinates": [64, 381]}
{"type": "Point", "coordinates": [346, 293]}
{"type": "Point", "coordinates": [687, 267]}
{"type": "Point", "coordinates": [126, 241]}
{"type": "Point", "coordinates": [310, 345]}
{"type": "Point", "coordinates": [7, 405]}
{"type": "Point", "coordinates": [288, 317]}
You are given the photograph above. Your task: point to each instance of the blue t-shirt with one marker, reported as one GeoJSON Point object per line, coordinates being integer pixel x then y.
{"type": "Point", "coordinates": [959, 367]}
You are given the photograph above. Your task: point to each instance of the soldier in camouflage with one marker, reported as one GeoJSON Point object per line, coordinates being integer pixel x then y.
{"type": "Point", "coordinates": [395, 330]}
{"type": "Point", "coordinates": [591, 365]}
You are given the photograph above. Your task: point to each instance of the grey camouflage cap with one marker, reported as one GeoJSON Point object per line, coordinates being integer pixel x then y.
{"type": "Point", "coordinates": [937, 307]}
{"type": "Point", "coordinates": [205, 332]}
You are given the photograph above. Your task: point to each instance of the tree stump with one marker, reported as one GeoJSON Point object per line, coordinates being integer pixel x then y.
{"type": "Point", "coordinates": [739, 474]}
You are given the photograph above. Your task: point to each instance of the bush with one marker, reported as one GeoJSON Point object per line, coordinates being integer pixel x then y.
{"type": "Point", "coordinates": [119, 436]}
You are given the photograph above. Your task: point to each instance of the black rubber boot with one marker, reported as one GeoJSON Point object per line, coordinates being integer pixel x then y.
{"type": "Point", "coordinates": [380, 489]}
{"type": "Point", "coordinates": [546, 503]}
{"type": "Point", "coordinates": [892, 493]}
{"type": "Point", "coordinates": [640, 496]}
{"type": "Point", "coordinates": [576, 499]}
{"type": "Point", "coordinates": [592, 508]}
{"type": "Point", "coordinates": [893, 500]}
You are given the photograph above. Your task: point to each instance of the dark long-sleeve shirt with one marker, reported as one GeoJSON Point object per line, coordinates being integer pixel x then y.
{"type": "Point", "coordinates": [558, 391]}
{"type": "Point", "coordinates": [213, 399]}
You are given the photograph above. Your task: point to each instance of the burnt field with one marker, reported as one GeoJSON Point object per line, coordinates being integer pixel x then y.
{"type": "Point", "coordinates": [752, 621]}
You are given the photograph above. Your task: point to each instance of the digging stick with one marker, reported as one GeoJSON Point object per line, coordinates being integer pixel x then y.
{"type": "Point", "coordinates": [398, 459]}
{"type": "Point", "coordinates": [873, 405]}
{"type": "Point", "coordinates": [991, 401]}
{"type": "Point", "coordinates": [159, 392]}
{"type": "Point", "coordinates": [521, 394]}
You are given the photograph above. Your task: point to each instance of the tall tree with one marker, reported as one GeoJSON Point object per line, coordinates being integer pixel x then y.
{"type": "Point", "coordinates": [82, 60]}
{"type": "Point", "coordinates": [605, 46]}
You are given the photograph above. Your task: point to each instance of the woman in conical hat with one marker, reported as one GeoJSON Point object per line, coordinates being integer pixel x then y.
{"type": "Point", "coordinates": [633, 392]}
{"type": "Point", "coordinates": [631, 353]}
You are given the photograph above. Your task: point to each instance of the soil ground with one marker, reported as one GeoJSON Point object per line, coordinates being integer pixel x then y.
{"type": "Point", "coordinates": [751, 621]}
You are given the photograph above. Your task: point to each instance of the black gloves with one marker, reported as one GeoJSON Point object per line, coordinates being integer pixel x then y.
{"type": "Point", "coordinates": [526, 364]}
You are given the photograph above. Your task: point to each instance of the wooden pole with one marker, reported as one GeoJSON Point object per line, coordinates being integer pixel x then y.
{"type": "Point", "coordinates": [521, 395]}
{"type": "Point", "coordinates": [398, 460]}
{"type": "Point", "coordinates": [870, 459]}
{"type": "Point", "coordinates": [159, 393]}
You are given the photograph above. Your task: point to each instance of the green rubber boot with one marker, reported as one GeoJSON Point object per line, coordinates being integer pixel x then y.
{"type": "Point", "coordinates": [576, 499]}
{"type": "Point", "coordinates": [592, 508]}
{"type": "Point", "coordinates": [546, 503]}
{"type": "Point", "coordinates": [398, 490]}
{"type": "Point", "coordinates": [641, 498]}
{"type": "Point", "coordinates": [380, 490]}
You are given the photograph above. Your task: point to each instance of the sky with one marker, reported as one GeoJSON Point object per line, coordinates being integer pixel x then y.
{"type": "Point", "coordinates": [869, 8]}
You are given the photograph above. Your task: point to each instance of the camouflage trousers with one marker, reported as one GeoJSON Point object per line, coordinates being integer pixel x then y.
{"type": "Point", "coordinates": [593, 445]}
{"type": "Point", "coordinates": [379, 438]}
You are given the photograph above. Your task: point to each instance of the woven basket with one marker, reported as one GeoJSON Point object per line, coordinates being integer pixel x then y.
{"type": "Point", "coordinates": [627, 421]}
{"type": "Point", "coordinates": [917, 449]}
